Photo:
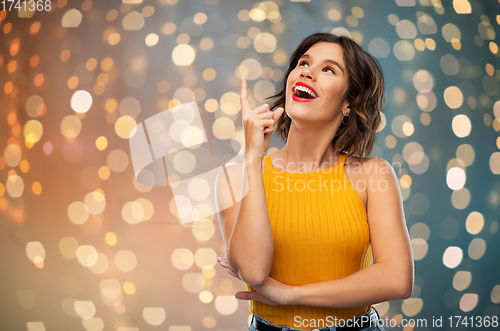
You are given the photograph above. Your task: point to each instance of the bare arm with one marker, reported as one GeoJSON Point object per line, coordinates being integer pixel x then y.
{"type": "Point", "coordinates": [391, 275]}
{"type": "Point", "coordinates": [245, 226]}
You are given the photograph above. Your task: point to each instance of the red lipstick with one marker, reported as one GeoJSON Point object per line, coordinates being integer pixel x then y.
{"type": "Point", "coordinates": [296, 98]}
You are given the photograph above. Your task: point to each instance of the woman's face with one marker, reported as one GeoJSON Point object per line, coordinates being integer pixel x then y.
{"type": "Point", "coordinates": [314, 89]}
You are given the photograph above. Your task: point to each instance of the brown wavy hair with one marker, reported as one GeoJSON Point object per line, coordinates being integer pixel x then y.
{"type": "Point", "coordinates": [365, 95]}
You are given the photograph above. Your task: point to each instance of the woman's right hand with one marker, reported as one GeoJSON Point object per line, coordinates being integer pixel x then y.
{"type": "Point", "coordinates": [258, 124]}
{"type": "Point", "coordinates": [245, 295]}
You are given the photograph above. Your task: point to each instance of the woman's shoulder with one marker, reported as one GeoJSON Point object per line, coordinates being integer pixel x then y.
{"type": "Point", "coordinates": [371, 173]}
{"type": "Point", "coordinates": [368, 172]}
{"type": "Point", "coordinates": [268, 156]}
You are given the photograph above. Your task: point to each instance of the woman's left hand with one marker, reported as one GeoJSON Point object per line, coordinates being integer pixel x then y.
{"type": "Point", "coordinates": [271, 292]}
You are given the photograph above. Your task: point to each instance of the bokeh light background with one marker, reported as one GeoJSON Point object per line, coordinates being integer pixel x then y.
{"type": "Point", "coordinates": [84, 246]}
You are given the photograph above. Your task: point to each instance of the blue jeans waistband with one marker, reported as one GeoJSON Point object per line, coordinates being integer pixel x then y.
{"type": "Point", "coordinates": [326, 328]}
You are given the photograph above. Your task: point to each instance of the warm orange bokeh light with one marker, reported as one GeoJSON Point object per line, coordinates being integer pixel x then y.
{"type": "Point", "coordinates": [34, 60]}
{"type": "Point", "coordinates": [18, 215]}
{"type": "Point", "coordinates": [39, 79]}
{"type": "Point", "coordinates": [8, 87]}
{"type": "Point", "coordinates": [7, 28]}
{"type": "Point", "coordinates": [12, 66]}
{"type": "Point", "coordinates": [35, 27]}
{"type": "Point", "coordinates": [24, 166]}
{"type": "Point", "coordinates": [12, 118]}
{"type": "Point", "coordinates": [36, 188]}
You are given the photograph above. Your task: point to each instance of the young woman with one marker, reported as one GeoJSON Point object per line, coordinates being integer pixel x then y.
{"type": "Point", "coordinates": [320, 234]}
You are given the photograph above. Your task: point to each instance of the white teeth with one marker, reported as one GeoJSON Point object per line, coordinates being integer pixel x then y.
{"type": "Point", "coordinates": [305, 89]}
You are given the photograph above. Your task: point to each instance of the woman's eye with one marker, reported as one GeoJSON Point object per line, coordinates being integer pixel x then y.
{"type": "Point", "coordinates": [328, 68]}
{"type": "Point", "coordinates": [303, 62]}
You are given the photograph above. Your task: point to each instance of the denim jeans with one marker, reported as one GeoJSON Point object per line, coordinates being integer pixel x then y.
{"type": "Point", "coordinates": [371, 327]}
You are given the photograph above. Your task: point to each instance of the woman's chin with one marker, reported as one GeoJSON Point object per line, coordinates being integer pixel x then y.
{"type": "Point", "coordinates": [301, 115]}
{"type": "Point", "coordinates": [299, 109]}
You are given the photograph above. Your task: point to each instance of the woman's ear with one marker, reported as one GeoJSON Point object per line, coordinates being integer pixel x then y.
{"type": "Point", "coordinates": [346, 106]}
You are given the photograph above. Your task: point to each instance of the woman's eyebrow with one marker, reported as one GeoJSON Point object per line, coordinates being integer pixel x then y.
{"type": "Point", "coordinates": [327, 61]}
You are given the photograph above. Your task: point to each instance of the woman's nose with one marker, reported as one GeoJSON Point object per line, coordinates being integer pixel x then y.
{"type": "Point", "coordinates": [306, 73]}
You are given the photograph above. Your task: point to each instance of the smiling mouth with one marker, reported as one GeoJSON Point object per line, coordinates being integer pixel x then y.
{"type": "Point", "coordinates": [303, 92]}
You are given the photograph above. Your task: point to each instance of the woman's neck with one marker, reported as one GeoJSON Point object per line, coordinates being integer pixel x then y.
{"type": "Point", "coordinates": [300, 158]}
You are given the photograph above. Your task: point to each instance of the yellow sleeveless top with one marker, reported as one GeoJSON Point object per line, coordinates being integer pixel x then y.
{"type": "Point", "coordinates": [320, 233]}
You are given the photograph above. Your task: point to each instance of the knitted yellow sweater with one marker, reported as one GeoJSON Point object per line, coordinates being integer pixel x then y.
{"type": "Point", "coordinates": [320, 233]}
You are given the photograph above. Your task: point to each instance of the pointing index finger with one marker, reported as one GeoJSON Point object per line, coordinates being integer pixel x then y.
{"type": "Point", "coordinates": [245, 106]}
